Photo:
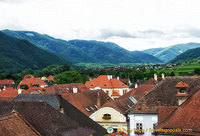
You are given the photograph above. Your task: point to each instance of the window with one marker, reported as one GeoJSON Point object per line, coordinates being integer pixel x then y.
{"type": "Point", "coordinates": [154, 125]}
{"type": "Point", "coordinates": [87, 109]}
{"type": "Point", "coordinates": [36, 85]}
{"type": "Point", "coordinates": [124, 91]}
{"type": "Point", "coordinates": [60, 91]}
{"type": "Point", "coordinates": [106, 116]}
{"type": "Point", "coordinates": [138, 125]}
{"type": "Point", "coordinates": [182, 91]}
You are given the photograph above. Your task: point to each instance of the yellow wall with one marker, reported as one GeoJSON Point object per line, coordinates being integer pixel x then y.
{"type": "Point", "coordinates": [117, 120]}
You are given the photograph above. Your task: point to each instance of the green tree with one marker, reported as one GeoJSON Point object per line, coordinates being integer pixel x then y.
{"type": "Point", "coordinates": [68, 77]}
{"type": "Point", "coordinates": [197, 71]}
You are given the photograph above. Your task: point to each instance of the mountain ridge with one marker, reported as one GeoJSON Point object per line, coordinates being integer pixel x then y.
{"type": "Point", "coordinates": [17, 55]}
{"type": "Point", "coordinates": [85, 51]}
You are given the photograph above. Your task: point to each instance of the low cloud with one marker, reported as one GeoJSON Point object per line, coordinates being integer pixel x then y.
{"type": "Point", "coordinates": [107, 33]}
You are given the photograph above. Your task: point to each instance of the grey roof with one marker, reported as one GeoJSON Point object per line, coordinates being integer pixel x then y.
{"type": "Point", "coordinates": [51, 99]}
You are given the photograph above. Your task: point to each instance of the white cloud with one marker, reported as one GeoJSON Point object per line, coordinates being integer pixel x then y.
{"type": "Point", "coordinates": [133, 24]}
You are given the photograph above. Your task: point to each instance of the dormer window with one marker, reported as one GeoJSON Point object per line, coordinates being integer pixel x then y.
{"type": "Point", "coordinates": [182, 90]}
{"type": "Point", "coordinates": [106, 116]}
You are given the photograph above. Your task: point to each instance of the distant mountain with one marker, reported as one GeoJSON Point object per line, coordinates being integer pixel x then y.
{"type": "Point", "coordinates": [187, 56]}
{"type": "Point", "coordinates": [169, 53]}
{"type": "Point", "coordinates": [111, 52]}
{"type": "Point", "coordinates": [17, 55]}
{"type": "Point", "coordinates": [82, 51]}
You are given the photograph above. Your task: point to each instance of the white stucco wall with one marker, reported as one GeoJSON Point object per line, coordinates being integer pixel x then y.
{"type": "Point", "coordinates": [146, 119]}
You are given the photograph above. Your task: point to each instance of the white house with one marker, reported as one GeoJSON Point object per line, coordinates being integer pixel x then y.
{"type": "Point", "coordinates": [171, 91]}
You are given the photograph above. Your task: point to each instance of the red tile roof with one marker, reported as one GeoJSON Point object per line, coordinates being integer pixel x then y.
{"type": "Point", "coordinates": [15, 125]}
{"type": "Point", "coordinates": [103, 82]}
{"type": "Point", "coordinates": [182, 95]}
{"type": "Point", "coordinates": [124, 102]}
{"type": "Point", "coordinates": [165, 94]}
{"type": "Point", "coordinates": [186, 116]}
{"type": "Point", "coordinates": [115, 93]}
{"type": "Point", "coordinates": [164, 112]}
{"type": "Point", "coordinates": [182, 85]}
{"type": "Point", "coordinates": [6, 82]}
{"type": "Point", "coordinates": [141, 90]}
{"type": "Point", "coordinates": [31, 81]}
{"type": "Point", "coordinates": [66, 88]}
{"type": "Point", "coordinates": [51, 78]}
{"type": "Point", "coordinates": [8, 94]}
{"type": "Point", "coordinates": [86, 100]}
{"type": "Point", "coordinates": [38, 90]}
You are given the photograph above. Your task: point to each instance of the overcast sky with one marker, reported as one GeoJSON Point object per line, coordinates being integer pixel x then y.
{"type": "Point", "coordinates": [133, 24]}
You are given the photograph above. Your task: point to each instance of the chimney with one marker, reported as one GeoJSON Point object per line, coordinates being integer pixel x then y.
{"type": "Point", "coordinates": [98, 100]}
{"type": "Point", "coordinates": [19, 91]}
{"type": "Point", "coordinates": [108, 77]}
{"type": "Point", "coordinates": [75, 89]}
{"type": "Point", "coordinates": [117, 78]}
{"type": "Point", "coordinates": [155, 77]}
{"type": "Point", "coordinates": [182, 94]}
{"type": "Point", "coordinates": [4, 88]}
{"type": "Point", "coordinates": [136, 85]}
{"type": "Point", "coordinates": [163, 76]}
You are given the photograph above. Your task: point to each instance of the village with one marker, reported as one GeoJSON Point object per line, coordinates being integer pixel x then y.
{"type": "Point", "coordinates": [104, 106]}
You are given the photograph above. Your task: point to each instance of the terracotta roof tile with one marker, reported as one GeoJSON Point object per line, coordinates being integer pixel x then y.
{"type": "Point", "coordinates": [115, 94]}
{"type": "Point", "coordinates": [6, 82]}
{"type": "Point", "coordinates": [66, 88]}
{"type": "Point", "coordinates": [164, 112]}
{"type": "Point", "coordinates": [15, 125]}
{"type": "Point", "coordinates": [8, 94]}
{"type": "Point", "coordinates": [103, 82]}
{"type": "Point", "coordinates": [88, 100]}
{"type": "Point", "coordinates": [51, 78]}
{"type": "Point", "coordinates": [32, 81]}
{"type": "Point", "coordinates": [186, 116]}
{"type": "Point", "coordinates": [164, 94]}
{"type": "Point", "coordinates": [37, 90]}
{"type": "Point", "coordinates": [45, 119]}
{"type": "Point", "coordinates": [182, 85]}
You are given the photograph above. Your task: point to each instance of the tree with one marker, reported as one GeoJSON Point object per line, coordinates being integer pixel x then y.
{"type": "Point", "coordinates": [172, 74]}
{"type": "Point", "coordinates": [68, 77]}
{"type": "Point", "coordinates": [197, 71]}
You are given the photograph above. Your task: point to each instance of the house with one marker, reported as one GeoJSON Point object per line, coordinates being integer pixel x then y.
{"type": "Point", "coordinates": [87, 101]}
{"type": "Point", "coordinates": [7, 83]}
{"type": "Point", "coordinates": [67, 88]}
{"type": "Point", "coordinates": [50, 78]}
{"type": "Point", "coordinates": [45, 119]}
{"type": "Point", "coordinates": [8, 93]}
{"type": "Point", "coordinates": [171, 91]}
{"type": "Point", "coordinates": [14, 124]}
{"type": "Point", "coordinates": [110, 115]}
{"type": "Point", "coordinates": [113, 113]}
{"type": "Point", "coordinates": [112, 86]}
{"type": "Point", "coordinates": [63, 106]}
{"type": "Point", "coordinates": [184, 118]}
{"type": "Point", "coordinates": [26, 83]}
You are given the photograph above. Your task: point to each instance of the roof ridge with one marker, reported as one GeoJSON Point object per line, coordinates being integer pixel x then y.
{"type": "Point", "coordinates": [14, 112]}
{"type": "Point", "coordinates": [182, 106]}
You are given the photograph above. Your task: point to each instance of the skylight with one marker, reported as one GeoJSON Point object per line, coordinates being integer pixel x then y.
{"type": "Point", "coordinates": [91, 108]}
{"type": "Point", "coordinates": [87, 109]}
{"type": "Point", "coordinates": [132, 99]}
